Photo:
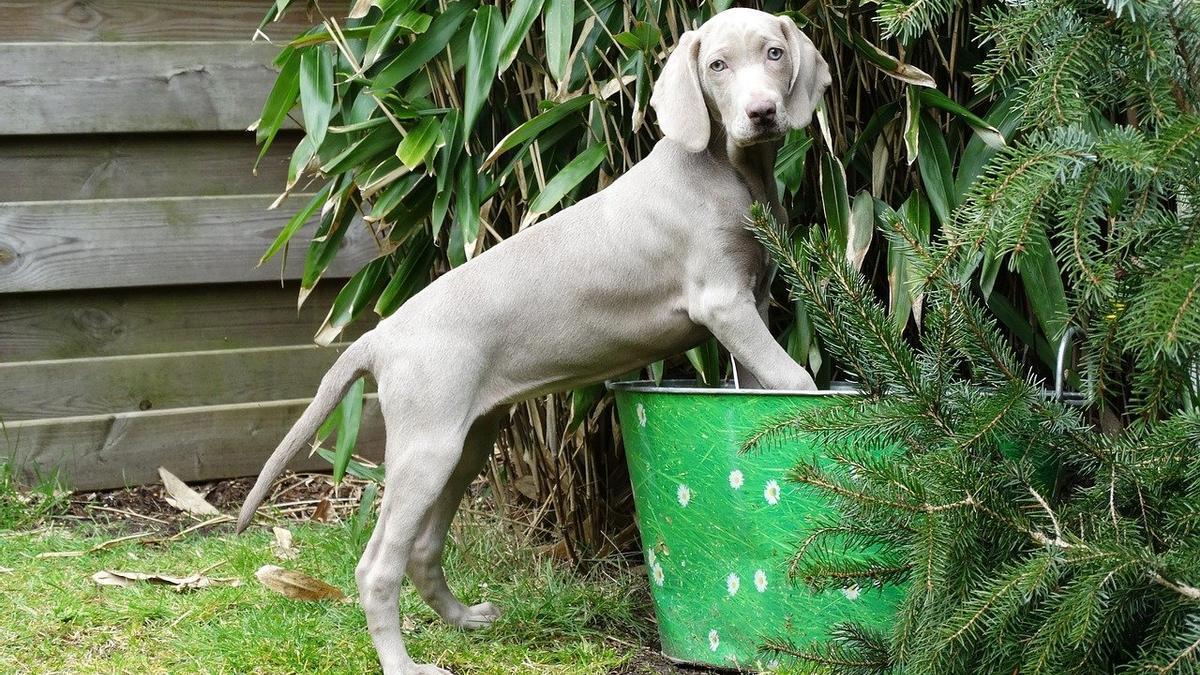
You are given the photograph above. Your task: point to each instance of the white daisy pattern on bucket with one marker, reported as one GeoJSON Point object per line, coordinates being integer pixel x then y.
{"type": "Point", "coordinates": [771, 492]}
{"type": "Point", "coordinates": [684, 495]}
{"type": "Point", "coordinates": [760, 581]}
{"type": "Point", "coordinates": [736, 479]}
{"type": "Point", "coordinates": [656, 572]}
{"type": "Point", "coordinates": [714, 640]}
{"type": "Point", "coordinates": [641, 413]}
{"type": "Point", "coordinates": [851, 593]}
{"type": "Point", "coordinates": [732, 583]}
{"type": "Point", "coordinates": [651, 557]}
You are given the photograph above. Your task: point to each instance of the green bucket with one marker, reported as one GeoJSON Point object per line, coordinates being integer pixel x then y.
{"type": "Point", "coordinates": [719, 526]}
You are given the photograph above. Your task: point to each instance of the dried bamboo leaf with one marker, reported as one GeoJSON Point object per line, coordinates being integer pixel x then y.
{"type": "Point", "coordinates": [185, 498]}
{"type": "Point", "coordinates": [296, 585]}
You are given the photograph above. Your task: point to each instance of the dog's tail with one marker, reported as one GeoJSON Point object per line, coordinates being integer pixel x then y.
{"type": "Point", "coordinates": [351, 365]}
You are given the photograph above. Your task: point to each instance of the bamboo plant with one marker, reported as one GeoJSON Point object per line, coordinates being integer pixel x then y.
{"type": "Point", "coordinates": [445, 127]}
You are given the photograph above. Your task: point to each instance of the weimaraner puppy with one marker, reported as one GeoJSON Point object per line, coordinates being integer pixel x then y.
{"type": "Point", "coordinates": [642, 270]}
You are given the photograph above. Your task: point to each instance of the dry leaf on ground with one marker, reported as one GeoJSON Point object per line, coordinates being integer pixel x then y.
{"type": "Point", "coordinates": [6, 570]}
{"type": "Point", "coordinates": [283, 547]}
{"type": "Point", "coordinates": [324, 511]}
{"type": "Point", "coordinates": [190, 582]}
{"type": "Point", "coordinates": [528, 486]}
{"type": "Point", "coordinates": [185, 498]}
{"type": "Point", "coordinates": [296, 585]}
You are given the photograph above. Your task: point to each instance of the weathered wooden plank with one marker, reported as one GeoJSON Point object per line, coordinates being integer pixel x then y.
{"type": "Point", "coordinates": [104, 243]}
{"type": "Point", "coordinates": [151, 20]}
{"type": "Point", "coordinates": [59, 88]}
{"type": "Point", "coordinates": [94, 386]}
{"type": "Point", "coordinates": [109, 451]}
{"type": "Point", "coordinates": [104, 166]}
{"type": "Point", "coordinates": [73, 324]}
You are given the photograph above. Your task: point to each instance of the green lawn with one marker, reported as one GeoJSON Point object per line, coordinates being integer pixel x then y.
{"type": "Point", "coordinates": [53, 618]}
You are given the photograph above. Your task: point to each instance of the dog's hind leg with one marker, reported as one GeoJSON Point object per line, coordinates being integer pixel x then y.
{"type": "Point", "coordinates": [425, 560]}
{"type": "Point", "coordinates": [421, 458]}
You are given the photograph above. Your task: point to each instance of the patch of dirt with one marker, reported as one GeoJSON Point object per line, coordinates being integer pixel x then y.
{"type": "Point", "coordinates": [652, 663]}
{"type": "Point", "coordinates": [294, 497]}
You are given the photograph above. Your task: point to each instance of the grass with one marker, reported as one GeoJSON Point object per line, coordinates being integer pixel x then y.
{"type": "Point", "coordinates": [20, 508]}
{"type": "Point", "coordinates": [53, 618]}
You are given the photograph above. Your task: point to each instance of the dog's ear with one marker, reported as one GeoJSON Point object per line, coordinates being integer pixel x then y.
{"type": "Point", "coordinates": [810, 75]}
{"type": "Point", "coordinates": [677, 99]}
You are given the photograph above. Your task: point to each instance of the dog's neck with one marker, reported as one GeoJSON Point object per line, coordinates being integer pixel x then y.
{"type": "Point", "coordinates": [754, 164]}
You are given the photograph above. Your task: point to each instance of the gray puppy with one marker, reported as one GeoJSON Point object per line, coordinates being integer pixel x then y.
{"type": "Point", "coordinates": [645, 269]}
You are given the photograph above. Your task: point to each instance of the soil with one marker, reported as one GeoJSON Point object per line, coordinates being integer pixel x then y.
{"type": "Point", "coordinates": [296, 496]}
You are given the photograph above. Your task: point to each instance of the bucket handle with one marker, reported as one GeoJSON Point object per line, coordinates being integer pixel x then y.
{"type": "Point", "coordinates": [1061, 361]}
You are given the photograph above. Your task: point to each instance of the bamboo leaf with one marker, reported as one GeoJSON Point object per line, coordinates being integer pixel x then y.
{"type": "Point", "coordinates": [643, 37]}
{"type": "Point", "coordinates": [885, 62]}
{"type": "Point", "coordinates": [912, 123]}
{"type": "Point", "coordinates": [379, 141]}
{"type": "Point", "coordinates": [316, 92]}
{"type": "Point", "coordinates": [936, 170]}
{"type": "Point", "coordinates": [560, 30]}
{"type": "Point", "coordinates": [530, 129]}
{"type": "Point", "coordinates": [334, 222]}
{"type": "Point", "coordinates": [398, 17]}
{"type": "Point", "coordinates": [695, 356]}
{"type": "Point", "coordinates": [835, 201]}
{"type": "Point", "coordinates": [296, 222]}
{"type": "Point", "coordinates": [861, 229]}
{"type": "Point", "coordinates": [355, 468]}
{"type": "Point", "coordinates": [417, 144]}
{"type": "Point", "coordinates": [409, 277]}
{"type": "Point", "coordinates": [1042, 280]}
{"type": "Point", "coordinates": [582, 402]}
{"type": "Point", "coordinates": [520, 19]}
{"type": "Point", "coordinates": [987, 133]}
{"type": "Point", "coordinates": [283, 96]}
{"type": "Point", "coordinates": [351, 300]}
{"type": "Point", "coordinates": [424, 48]}
{"type": "Point", "coordinates": [656, 371]}
{"type": "Point", "coordinates": [465, 230]}
{"type": "Point", "coordinates": [301, 157]}
{"type": "Point", "coordinates": [571, 175]}
{"type": "Point", "coordinates": [483, 50]}
{"type": "Point", "coordinates": [347, 437]}
{"type": "Point", "coordinates": [1004, 115]}
{"type": "Point", "coordinates": [789, 167]}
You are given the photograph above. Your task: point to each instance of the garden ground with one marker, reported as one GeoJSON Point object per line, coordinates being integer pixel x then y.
{"type": "Point", "coordinates": [55, 618]}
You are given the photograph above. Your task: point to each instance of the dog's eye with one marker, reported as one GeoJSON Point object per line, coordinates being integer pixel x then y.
{"type": "Point", "coordinates": [774, 53]}
{"type": "Point", "coordinates": [717, 66]}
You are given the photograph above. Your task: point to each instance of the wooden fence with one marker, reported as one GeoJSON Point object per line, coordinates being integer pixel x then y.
{"type": "Point", "coordinates": [135, 328]}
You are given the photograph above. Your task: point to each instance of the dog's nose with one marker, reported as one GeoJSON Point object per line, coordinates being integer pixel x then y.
{"type": "Point", "coordinates": [761, 112]}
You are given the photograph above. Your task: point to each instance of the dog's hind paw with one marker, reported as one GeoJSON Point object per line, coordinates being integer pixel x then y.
{"type": "Point", "coordinates": [426, 669]}
{"type": "Point", "coordinates": [479, 616]}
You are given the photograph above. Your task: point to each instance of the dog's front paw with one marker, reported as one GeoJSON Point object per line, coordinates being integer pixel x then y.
{"type": "Point", "coordinates": [479, 616]}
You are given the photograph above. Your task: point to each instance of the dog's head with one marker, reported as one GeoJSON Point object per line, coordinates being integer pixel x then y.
{"type": "Point", "coordinates": [753, 73]}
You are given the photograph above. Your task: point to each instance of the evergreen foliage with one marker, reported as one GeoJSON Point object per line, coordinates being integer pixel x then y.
{"type": "Point", "coordinates": [1105, 175]}
{"type": "Point", "coordinates": [1033, 536]}
{"type": "Point", "coordinates": [1029, 541]}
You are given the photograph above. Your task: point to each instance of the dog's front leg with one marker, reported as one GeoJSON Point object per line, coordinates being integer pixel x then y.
{"type": "Point", "coordinates": [742, 374]}
{"type": "Point", "coordinates": [734, 319]}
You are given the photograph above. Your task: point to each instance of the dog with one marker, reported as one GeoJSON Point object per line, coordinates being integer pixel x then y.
{"type": "Point", "coordinates": [644, 269]}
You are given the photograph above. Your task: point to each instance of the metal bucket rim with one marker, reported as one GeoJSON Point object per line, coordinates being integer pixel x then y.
{"type": "Point", "coordinates": [690, 387]}
{"type": "Point", "coordinates": [1070, 398]}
